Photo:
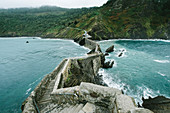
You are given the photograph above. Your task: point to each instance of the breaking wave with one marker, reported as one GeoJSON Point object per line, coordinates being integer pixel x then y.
{"type": "Point", "coordinates": [162, 61]}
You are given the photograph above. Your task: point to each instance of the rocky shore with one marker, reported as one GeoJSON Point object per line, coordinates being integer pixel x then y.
{"type": "Point", "coordinates": [75, 87]}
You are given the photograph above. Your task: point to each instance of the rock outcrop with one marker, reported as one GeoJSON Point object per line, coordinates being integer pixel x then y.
{"type": "Point", "coordinates": [159, 104]}
{"type": "Point", "coordinates": [108, 64]}
{"type": "Point", "coordinates": [110, 49]}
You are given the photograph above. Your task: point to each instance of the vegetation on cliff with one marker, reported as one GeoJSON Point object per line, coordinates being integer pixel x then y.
{"type": "Point", "coordinates": [116, 19]}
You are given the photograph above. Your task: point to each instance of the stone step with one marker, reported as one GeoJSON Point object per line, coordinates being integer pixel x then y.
{"type": "Point", "coordinates": [45, 101]}
{"type": "Point", "coordinates": [78, 108]}
{"type": "Point", "coordinates": [49, 108]}
{"type": "Point", "coordinates": [73, 108]}
{"type": "Point", "coordinates": [66, 109]}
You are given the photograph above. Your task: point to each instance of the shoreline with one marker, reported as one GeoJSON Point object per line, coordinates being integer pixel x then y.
{"type": "Point", "coordinates": [116, 39]}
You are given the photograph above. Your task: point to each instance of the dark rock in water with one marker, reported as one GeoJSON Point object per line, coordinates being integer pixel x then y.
{"type": "Point", "coordinates": [139, 105]}
{"type": "Point", "coordinates": [108, 64]}
{"type": "Point", "coordinates": [82, 42]}
{"type": "Point", "coordinates": [110, 49]}
{"type": "Point", "coordinates": [92, 51]}
{"type": "Point", "coordinates": [106, 54]}
{"type": "Point", "coordinates": [33, 38]}
{"type": "Point", "coordinates": [120, 54]}
{"type": "Point", "coordinates": [27, 42]}
{"type": "Point", "coordinates": [159, 104]}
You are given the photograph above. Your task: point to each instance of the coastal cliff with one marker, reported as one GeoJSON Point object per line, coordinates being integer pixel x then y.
{"type": "Point", "coordinates": [117, 19]}
{"type": "Point", "coordinates": [72, 87]}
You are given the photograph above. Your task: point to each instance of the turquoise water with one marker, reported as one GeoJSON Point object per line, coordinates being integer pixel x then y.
{"type": "Point", "coordinates": [23, 65]}
{"type": "Point", "coordinates": [143, 70]}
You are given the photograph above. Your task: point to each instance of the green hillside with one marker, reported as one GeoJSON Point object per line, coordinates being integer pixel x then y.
{"type": "Point", "coordinates": [134, 19]}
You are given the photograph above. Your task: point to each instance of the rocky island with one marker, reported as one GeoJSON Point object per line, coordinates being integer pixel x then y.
{"type": "Point", "coordinates": [75, 87]}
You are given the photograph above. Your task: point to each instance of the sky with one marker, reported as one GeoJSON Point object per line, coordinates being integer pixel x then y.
{"type": "Point", "coordinates": [60, 3]}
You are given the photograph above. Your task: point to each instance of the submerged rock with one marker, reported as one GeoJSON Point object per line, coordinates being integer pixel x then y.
{"type": "Point", "coordinates": [110, 49]}
{"type": "Point", "coordinates": [159, 104]}
{"type": "Point", "coordinates": [27, 41]}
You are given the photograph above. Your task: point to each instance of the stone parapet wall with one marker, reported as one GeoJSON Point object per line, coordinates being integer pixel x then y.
{"type": "Point", "coordinates": [66, 95]}
{"type": "Point", "coordinates": [100, 97]}
{"type": "Point", "coordinates": [30, 103]}
{"type": "Point", "coordinates": [61, 75]}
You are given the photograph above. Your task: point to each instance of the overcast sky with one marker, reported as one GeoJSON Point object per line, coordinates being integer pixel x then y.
{"type": "Point", "coordinates": [60, 3]}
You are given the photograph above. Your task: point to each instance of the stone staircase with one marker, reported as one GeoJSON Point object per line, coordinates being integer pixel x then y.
{"type": "Point", "coordinates": [46, 105]}
{"type": "Point", "coordinates": [67, 108]}
{"type": "Point", "coordinates": [46, 99]}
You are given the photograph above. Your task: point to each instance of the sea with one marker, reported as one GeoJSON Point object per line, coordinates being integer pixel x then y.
{"type": "Point", "coordinates": [23, 65]}
{"type": "Point", "coordinates": [143, 70]}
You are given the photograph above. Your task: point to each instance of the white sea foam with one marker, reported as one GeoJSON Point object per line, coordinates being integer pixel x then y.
{"type": "Point", "coordinates": [145, 92]}
{"type": "Point", "coordinates": [121, 51]}
{"type": "Point", "coordinates": [115, 64]}
{"type": "Point", "coordinates": [161, 74]}
{"type": "Point", "coordinates": [167, 56]}
{"type": "Point", "coordinates": [136, 40]}
{"type": "Point", "coordinates": [141, 91]}
{"type": "Point", "coordinates": [28, 91]}
{"type": "Point", "coordinates": [34, 81]}
{"type": "Point", "coordinates": [162, 61]}
{"type": "Point", "coordinates": [110, 82]}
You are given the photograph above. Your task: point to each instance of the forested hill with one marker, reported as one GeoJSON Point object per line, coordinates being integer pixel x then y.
{"type": "Point", "coordinates": [135, 19]}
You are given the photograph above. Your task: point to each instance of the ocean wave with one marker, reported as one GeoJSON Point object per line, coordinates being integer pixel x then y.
{"type": "Point", "coordinates": [167, 56]}
{"type": "Point", "coordinates": [123, 51]}
{"type": "Point", "coordinates": [34, 82]}
{"type": "Point", "coordinates": [115, 64]}
{"type": "Point", "coordinates": [135, 40]}
{"type": "Point", "coordinates": [110, 82]}
{"type": "Point", "coordinates": [161, 74]}
{"type": "Point", "coordinates": [137, 93]}
{"type": "Point", "coordinates": [162, 61]}
{"type": "Point", "coordinates": [28, 90]}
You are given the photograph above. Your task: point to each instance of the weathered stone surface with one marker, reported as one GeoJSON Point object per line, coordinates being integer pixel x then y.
{"type": "Point", "coordinates": [89, 108]}
{"type": "Point", "coordinates": [158, 104]}
{"type": "Point", "coordinates": [124, 103]}
{"type": "Point", "coordinates": [140, 110]}
{"type": "Point", "coordinates": [29, 107]}
{"type": "Point", "coordinates": [110, 49]}
{"type": "Point", "coordinates": [82, 70]}
{"type": "Point", "coordinates": [66, 95]}
{"type": "Point", "coordinates": [96, 94]}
